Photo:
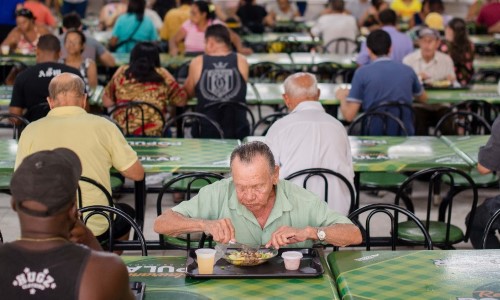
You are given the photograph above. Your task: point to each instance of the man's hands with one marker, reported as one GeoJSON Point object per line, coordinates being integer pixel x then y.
{"type": "Point", "coordinates": [222, 230]}
{"type": "Point", "coordinates": [289, 235]}
{"type": "Point", "coordinates": [342, 94]}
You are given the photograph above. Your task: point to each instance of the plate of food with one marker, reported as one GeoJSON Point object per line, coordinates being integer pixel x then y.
{"type": "Point", "coordinates": [248, 258]}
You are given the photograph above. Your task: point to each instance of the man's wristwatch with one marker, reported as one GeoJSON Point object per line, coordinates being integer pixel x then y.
{"type": "Point", "coordinates": [321, 234]}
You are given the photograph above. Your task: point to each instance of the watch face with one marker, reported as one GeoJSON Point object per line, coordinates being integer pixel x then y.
{"type": "Point", "coordinates": [321, 235]}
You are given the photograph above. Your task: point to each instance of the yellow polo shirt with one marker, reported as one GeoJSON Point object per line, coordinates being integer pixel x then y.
{"type": "Point", "coordinates": [97, 142]}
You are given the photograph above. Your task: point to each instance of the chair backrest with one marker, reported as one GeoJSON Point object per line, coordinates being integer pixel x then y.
{"type": "Point", "coordinates": [495, 218]}
{"type": "Point", "coordinates": [444, 216]}
{"type": "Point", "coordinates": [109, 213]}
{"type": "Point", "coordinates": [137, 110]}
{"type": "Point", "coordinates": [189, 184]}
{"type": "Point", "coordinates": [322, 172]}
{"type": "Point", "coordinates": [377, 123]}
{"type": "Point", "coordinates": [10, 68]}
{"type": "Point", "coordinates": [17, 123]}
{"type": "Point", "coordinates": [230, 107]}
{"type": "Point", "coordinates": [326, 72]}
{"type": "Point", "coordinates": [486, 76]}
{"type": "Point", "coordinates": [274, 76]}
{"type": "Point", "coordinates": [37, 111]}
{"type": "Point", "coordinates": [267, 121]}
{"type": "Point", "coordinates": [98, 186]}
{"type": "Point", "coordinates": [182, 72]}
{"type": "Point", "coordinates": [191, 119]}
{"type": "Point", "coordinates": [463, 123]}
{"type": "Point", "coordinates": [391, 211]}
{"type": "Point", "coordinates": [256, 71]}
{"type": "Point", "coordinates": [480, 107]}
{"type": "Point", "coordinates": [340, 46]}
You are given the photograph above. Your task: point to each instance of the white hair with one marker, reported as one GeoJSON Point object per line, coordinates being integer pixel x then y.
{"type": "Point", "coordinates": [295, 90]}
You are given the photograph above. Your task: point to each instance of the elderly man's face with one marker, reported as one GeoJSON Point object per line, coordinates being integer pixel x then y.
{"type": "Point", "coordinates": [254, 182]}
{"type": "Point", "coordinates": [428, 46]}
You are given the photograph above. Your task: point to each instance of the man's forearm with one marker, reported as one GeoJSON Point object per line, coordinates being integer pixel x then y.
{"type": "Point", "coordinates": [343, 235]}
{"type": "Point", "coordinates": [173, 224]}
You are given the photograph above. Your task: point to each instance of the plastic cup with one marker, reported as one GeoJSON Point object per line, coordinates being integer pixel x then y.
{"type": "Point", "coordinates": [5, 49]}
{"type": "Point", "coordinates": [292, 260]}
{"type": "Point", "coordinates": [205, 258]}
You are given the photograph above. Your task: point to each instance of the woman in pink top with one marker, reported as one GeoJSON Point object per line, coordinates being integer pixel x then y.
{"type": "Point", "coordinates": [192, 32]}
{"type": "Point", "coordinates": [42, 13]}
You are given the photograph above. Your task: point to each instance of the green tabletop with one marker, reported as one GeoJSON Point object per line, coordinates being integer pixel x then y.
{"type": "Point", "coordinates": [272, 37]}
{"type": "Point", "coordinates": [384, 153]}
{"type": "Point", "coordinates": [6, 94]}
{"type": "Point", "coordinates": [301, 59]}
{"type": "Point", "coordinates": [183, 155]}
{"type": "Point", "coordinates": [487, 62]}
{"type": "Point", "coordinates": [396, 154]}
{"type": "Point", "coordinates": [430, 275]}
{"type": "Point", "coordinates": [271, 93]}
{"type": "Point", "coordinates": [29, 60]}
{"type": "Point", "coordinates": [466, 146]}
{"type": "Point", "coordinates": [8, 151]}
{"type": "Point", "coordinates": [277, 58]}
{"type": "Point", "coordinates": [487, 92]}
{"type": "Point", "coordinates": [165, 279]}
{"type": "Point", "coordinates": [483, 39]}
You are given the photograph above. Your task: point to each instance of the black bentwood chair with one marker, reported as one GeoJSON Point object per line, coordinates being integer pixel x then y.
{"type": "Point", "coordinates": [109, 214]}
{"type": "Point", "coordinates": [390, 211]}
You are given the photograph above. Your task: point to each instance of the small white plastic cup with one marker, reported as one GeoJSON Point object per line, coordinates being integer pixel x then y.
{"type": "Point", "coordinates": [292, 260]}
{"type": "Point", "coordinates": [205, 258]}
{"type": "Point", "coordinates": [5, 49]}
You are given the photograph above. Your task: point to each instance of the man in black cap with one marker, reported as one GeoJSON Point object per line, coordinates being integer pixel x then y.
{"type": "Point", "coordinates": [44, 263]}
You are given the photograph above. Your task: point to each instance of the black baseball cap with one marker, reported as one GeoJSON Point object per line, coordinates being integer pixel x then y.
{"type": "Point", "coordinates": [49, 177]}
{"type": "Point", "coordinates": [24, 12]}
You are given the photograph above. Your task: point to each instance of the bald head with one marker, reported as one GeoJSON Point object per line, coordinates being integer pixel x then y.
{"type": "Point", "coordinates": [67, 89]}
{"type": "Point", "coordinates": [300, 87]}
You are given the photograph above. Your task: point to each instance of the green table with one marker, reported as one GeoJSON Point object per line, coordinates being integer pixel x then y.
{"type": "Point", "coordinates": [165, 279]}
{"type": "Point", "coordinates": [306, 59]}
{"type": "Point", "coordinates": [29, 60]}
{"type": "Point", "coordinates": [290, 37]}
{"type": "Point", "coordinates": [466, 146]}
{"type": "Point", "coordinates": [398, 154]}
{"type": "Point", "coordinates": [401, 154]}
{"type": "Point", "coordinates": [183, 155]}
{"type": "Point", "coordinates": [487, 92]}
{"type": "Point", "coordinates": [483, 39]}
{"type": "Point", "coordinates": [6, 94]}
{"type": "Point", "coordinates": [487, 62]}
{"type": "Point", "coordinates": [282, 59]}
{"type": "Point", "coordinates": [426, 274]}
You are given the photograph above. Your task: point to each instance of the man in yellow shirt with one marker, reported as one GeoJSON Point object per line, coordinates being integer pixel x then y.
{"type": "Point", "coordinates": [173, 20]}
{"type": "Point", "coordinates": [98, 143]}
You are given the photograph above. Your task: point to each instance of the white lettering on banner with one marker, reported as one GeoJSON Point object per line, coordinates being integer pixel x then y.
{"type": "Point", "coordinates": [159, 158]}
{"type": "Point", "coordinates": [155, 269]}
{"type": "Point", "coordinates": [33, 281]}
{"type": "Point", "coordinates": [153, 144]}
{"type": "Point", "coordinates": [366, 257]}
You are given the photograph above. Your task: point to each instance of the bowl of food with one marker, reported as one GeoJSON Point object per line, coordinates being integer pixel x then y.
{"type": "Point", "coordinates": [247, 258]}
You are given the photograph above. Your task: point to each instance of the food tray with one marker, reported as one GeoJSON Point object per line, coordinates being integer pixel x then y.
{"type": "Point", "coordinates": [310, 266]}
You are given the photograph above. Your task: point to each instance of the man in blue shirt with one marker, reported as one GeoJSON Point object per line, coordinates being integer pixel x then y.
{"type": "Point", "coordinates": [381, 81]}
{"type": "Point", "coordinates": [402, 44]}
